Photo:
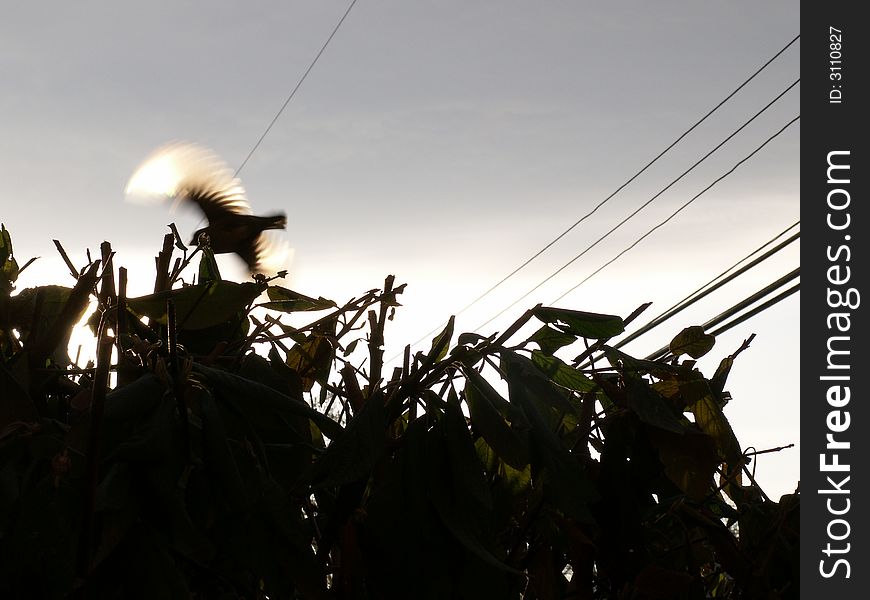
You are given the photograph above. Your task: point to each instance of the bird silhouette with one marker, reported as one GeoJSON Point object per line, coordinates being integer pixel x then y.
{"type": "Point", "coordinates": [192, 174]}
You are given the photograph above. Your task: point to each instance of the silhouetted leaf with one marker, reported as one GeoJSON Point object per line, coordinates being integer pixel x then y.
{"type": "Point", "coordinates": [208, 268]}
{"type": "Point", "coordinates": [562, 374]}
{"type": "Point", "coordinates": [466, 468]}
{"type": "Point", "coordinates": [566, 483]}
{"type": "Point", "coordinates": [690, 460]}
{"type": "Point", "coordinates": [483, 405]}
{"type": "Point", "coordinates": [621, 360]}
{"type": "Point", "coordinates": [550, 339]}
{"type": "Point", "coordinates": [22, 307]}
{"type": "Point", "coordinates": [216, 454]}
{"type": "Point", "coordinates": [8, 265]}
{"type": "Point", "coordinates": [352, 454]}
{"type": "Point", "coordinates": [717, 382]}
{"type": "Point", "coordinates": [179, 243]}
{"type": "Point", "coordinates": [470, 339]}
{"type": "Point", "coordinates": [441, 342]}
{"type": "Point", "coordinates": [543, 389]}
{"type": "Point", "coordinates": [585, 324]}
{"type": "Point", "coordinates": [692, 341]}
{"type": "Point", "coordinates": [312, 359]}
{"type": "Point", "coordinates": [16, 404]}
{"type": "Point", "coordinates": [198, 306]}
{"type": "Point", "coordinates": [264, 406]}
{"type": "Point", "coordinates": [458, 489]}
{"type": "Point", "coordinates": [710, 418]}
{"type": "Point", "coordinates": [289, 301]}
{"type": "Point", "coordinates": [650, 407]}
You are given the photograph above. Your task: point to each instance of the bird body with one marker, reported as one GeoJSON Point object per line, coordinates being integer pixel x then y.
{"type": "Point", "coordinates": [191, 174]}
{"type": "Point", "coordinates": [240, 234]}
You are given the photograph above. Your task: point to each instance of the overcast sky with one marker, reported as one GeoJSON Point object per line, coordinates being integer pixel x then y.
{"type": "Point", "coordinates": [442, 141]}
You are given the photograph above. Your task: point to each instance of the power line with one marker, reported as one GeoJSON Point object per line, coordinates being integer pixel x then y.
{"type": "Point", "coordinates": [760, 308]}
{"type": "Point", "coordinates": [603, 202]}
{"type": "Point", "coordinates": [709, 287]}
{"type": "Point", "coordinates": [295, 89]}
{"type": "Point", "coordinates": [645, 204]}
{"type": "Point", "coordinates": [680, 209]}
{"type": "Point", "coordinates": [714, 284]}
{"type": "Point", "coordinates": [748, 301]}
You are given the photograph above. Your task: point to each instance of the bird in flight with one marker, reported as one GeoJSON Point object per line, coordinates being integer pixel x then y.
{"type": "Point", "coordinates": [192, 174]}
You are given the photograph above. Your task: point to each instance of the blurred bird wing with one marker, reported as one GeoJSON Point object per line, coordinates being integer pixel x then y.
{"type": "Point", "coordinates": [188, 172]}
{"type": "Point", "coordinates": [269, 255]}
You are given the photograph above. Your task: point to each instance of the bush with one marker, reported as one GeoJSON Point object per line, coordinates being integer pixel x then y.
{"type": "Point", "coordinates": [488, 467]}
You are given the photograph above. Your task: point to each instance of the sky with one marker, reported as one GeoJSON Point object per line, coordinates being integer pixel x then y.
{"type": "Point", "coordinates": [444, 142]}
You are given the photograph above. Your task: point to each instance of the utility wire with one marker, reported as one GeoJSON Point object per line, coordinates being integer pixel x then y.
{"type": "Point", "coordinates": [709, 287]}
{"type": "Point", "coordinates": [714, 284]}
{"type": "Point", "coordinates": [687, 203]}
{"type": "Point", "coordinates": [761, 307]}
{"type": "Point", "coordinates": [295, 89]}
{"type": "Point", "coordinates": [619, 189]}
{"type": "Point", "coordinates": [748, 301]}
{"type": "Point", "coordinates": [645, 204]}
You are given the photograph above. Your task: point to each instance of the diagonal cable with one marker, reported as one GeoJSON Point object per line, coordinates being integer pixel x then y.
{"type": "Point", "coordinates": [645, 204]}
{"type": "Point", "coordinates": [713, 285]}
{"type": "Point", "coordinates": [295, 89]}
{"type": "Point", "coordinates": [684, 205]}
{"type": "Point", "coordinates": [603, 202]}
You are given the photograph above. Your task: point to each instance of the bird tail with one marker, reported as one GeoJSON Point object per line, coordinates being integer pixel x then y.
{"type": "Point", "coordinates": [273, 221]}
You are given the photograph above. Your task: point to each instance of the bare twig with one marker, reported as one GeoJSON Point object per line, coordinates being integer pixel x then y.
{"type": "Point", "coordinates": [777, 449]}
{"type": "Point", "coordinates": [376, 336]}
{"type": "Point", "coordinates": [598, 344]}
{"type": "Point", "coordinates": [525, 318]}
{"type": "Point", "coordinates": [162, 281]}
{"type": "Point", "coordinates": [65, 257]}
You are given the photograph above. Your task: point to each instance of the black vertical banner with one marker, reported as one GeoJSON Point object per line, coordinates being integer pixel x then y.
{"type": "Point", "coordinates": [835, 225]}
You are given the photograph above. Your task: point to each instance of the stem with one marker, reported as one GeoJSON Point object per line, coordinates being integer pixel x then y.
{"type": "Point", "coordinates": [98, 401]}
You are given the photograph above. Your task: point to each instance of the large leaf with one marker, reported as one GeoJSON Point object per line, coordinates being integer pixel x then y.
{"type": "Point", "coordinates": [208, 267]}
{"type": "Point", "coordinates": [650, 407]}
{"type": "Point", "coordinates": [353, 454]}
{"type": "Point", "coordinates": [288, 301]}
{"type": "Point", "coordinates": [8, 265]}
{"type": "Point", "coordinates": [692, 341]}
{"type": "Point", "coordinates": [15, 403]}
{"type": "Point", "coordinates": [712, 421]}
{"type": "Point", "coordinates": [483, 402]}
{"type": "Point", "coordinates": [441, 342]}
{"type": "Point", "coordinates": [263, 405]}
{"type": "Point", "coordinates": [690, 460]}
{"type": "Point", "coordinates": [291, 545]}
{"type": "Point", "coordinates": [545, 393]}
{"type": "Point", "coordinates": [566, 483]}
{"type": "Point", "coordinates": [562, 374]}
{"type": "Point", "coordinates": [198, 306]}
{"type": "Point", "coordinates": [717, 382]}
{"type": "Point", "coordinates": [466, 468]}
{"type": "Point", "coordinates": [550, 339]}
{"type": "Point", "coordinates": [52, 302]}
{"type": "Point", "coordinates": [458, 489]}
{"type": "Point", "coordinates": [623, 361]}
{"type": "Point", "coordinates": [585, 324]}
{"type": "Point", "coordinates": [312, 359]}
{"type": "Point", "coordinates": [217, 456]}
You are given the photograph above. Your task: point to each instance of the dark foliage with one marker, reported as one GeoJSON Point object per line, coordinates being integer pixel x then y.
{"type": "Point", "coordinates": [192, 467]}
